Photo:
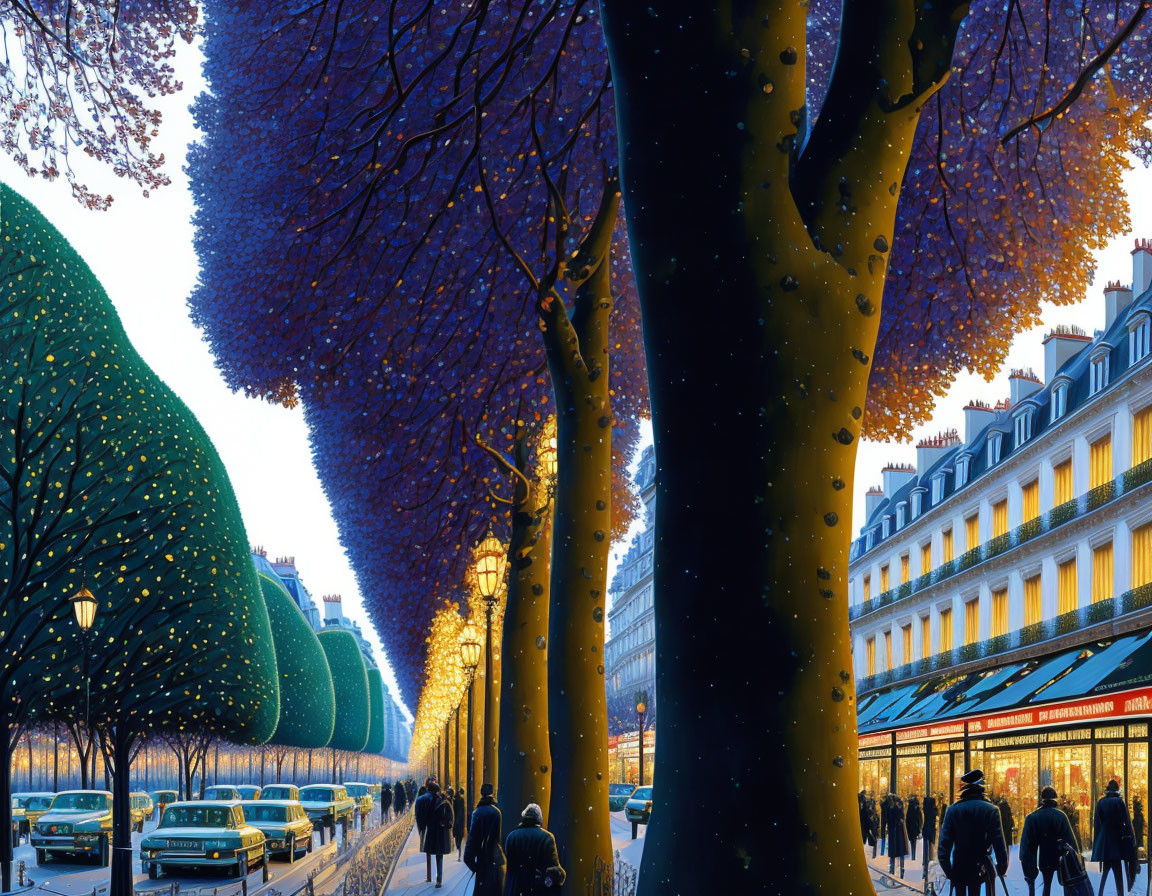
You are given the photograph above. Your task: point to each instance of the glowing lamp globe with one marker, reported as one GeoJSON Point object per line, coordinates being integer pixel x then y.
{"type": "Point", "coordinates": [470, 649]}
{"type": "Point", "coordinates": [546, 453]}
{"type": "Point", "coordinates": [84, 604]}
{"type": "Point", "coordinates": [641, 708]}
{"type": "Point", "coordinates": [491, 558]}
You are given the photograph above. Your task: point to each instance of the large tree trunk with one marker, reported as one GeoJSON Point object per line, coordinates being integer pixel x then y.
{"type": "Point", "coordinates": [121, 880]}
{"type": "Point", "coordinates": [525, 756]}
{"type": "Point", "coordinates": [758, 346]}
{"type": "Point", "coordinates": [577, 351]}
{"type": "Point", "coordinates": [6, 809]}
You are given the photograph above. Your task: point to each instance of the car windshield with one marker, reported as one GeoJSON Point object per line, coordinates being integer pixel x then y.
{"type": "Point", "coordinates": [86, 801]}
{"type": "Point", "coordinates": [220, 793]}
{"type": "Point", "coordinates": [36, 803]}
{"type": "Point", "coordinates": [275, 793]}
{"type": "Point", "coordinates": [642, 793]}
{"type": "Point", "coordinates": [619, 789]}
{"type": "Point", "coordinates": [196, 817]}
{"type": "Point", "coordinates": [359, 790]}
{"type": "Point", "coordinates": [265, 813]}
{"type": "Point", "coordinates": [317, 794]}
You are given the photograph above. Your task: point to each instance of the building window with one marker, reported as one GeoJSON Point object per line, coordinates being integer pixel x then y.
{"type": "Point", "coordinates": [906, 642]}
{"type": "Point", "coordinates": [972, 532]}
{"type": "Point", "coordinates": [946, 553]}
{"type": "Point", "coordinates": [1142, 435]}
{"type": "Point", "coordinates": [999, 612]}
{"type": "Point", "coordinates": [925, 637]}
{"type": "Point", "coordinates": [917, 499]}
{"type": "Point", "coordinates": [1023, 427]}
{"type": "Point", "coordinates": [1102, 572]}
{"type": "Point", "coordinates": [1030, 500]}
{"type": "Point", "coordinates": [901, 515]}
{"type": "Point", "coordinates": [937, 488]}
{"type": "Point", "coordinates": [1066, 600]}
{"type": "Point", "coordinates": [994, 448]}
{"type": "Point", "coordinates": [925, 558]}
{"type": "Point", "coordinates": [867, 587]}
{"type": "Point", "coordinates": [1062, 483]}
{"type": "Point", "coordinates": [887, 650]}
{"type": "Point", "coordinates": [1142, 555]}
{"type": "Point", "coordinates": [869, 539]}
{"type": "Point", "coordinates": [1033, 607]}
{"type": "Point", "coordinates": [962, 470]}
{"type": "Point", "coordinates": [946, 631]}
{"type": "Point", "coordinates": [884, 580]}
{"type": "Point", "coordinates": [1059, 401]}
{"type": "Point", "coordinates": [1100, 462]}
{"type": "Point", "coordinates": [870, 656]}
{"type": "Point", "coordinates": [905, 569]}
{"type": "Point", "coordinates": [1138, 339]}
{"type": "Point", "coordinates": [1098, 373]}
{"type": "Point", "coordinates": [1000, 518]}
{"type": "Point", "coordinates": [885, 527]}
{"type": "Point", "coordinates": [972, 620]}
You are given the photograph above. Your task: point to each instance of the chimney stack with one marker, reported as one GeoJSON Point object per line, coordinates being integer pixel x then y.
{"type": "Point", "coordinates": [873, 498]}
{"type": "Point", "coordinates": [1141, 267]}
{"type": "Point", "coordinates": [930, 450]}
{"type": "Point", "coordinates": [896, 476]}
{"type": "Point", "coordinates": [1116, 299]}
{"type": "Point", "coordinates": [1022, 383]}
{"type": "Point", "coordinates": [333, 610]}
{"type": "Point", "coordinates": [1060, 345]}
{"type": "Point", "coordinates": [977, 415]}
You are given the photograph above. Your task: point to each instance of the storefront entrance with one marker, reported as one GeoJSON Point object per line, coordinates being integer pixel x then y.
{"type": "Point", "coordinates": [1069, 770]}
{"type": "Point", "coordinates": [911, 776]}
{"type": "Point", "coordinates": [874, 776]}
{"type": "Point", "coordinates": [1015, 775]}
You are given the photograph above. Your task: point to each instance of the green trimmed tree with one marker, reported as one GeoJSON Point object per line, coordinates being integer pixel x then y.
{"type": "Point", "coordinates": [350, 681]}
{"type": "Point", "coordinates": [110, 484]}
{"type": "Point", "coordinates": [375, 711]}
{"type": "Point", "coordinates": [307, 695]}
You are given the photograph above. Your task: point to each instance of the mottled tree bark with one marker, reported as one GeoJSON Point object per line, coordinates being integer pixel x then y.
{"type": "Point", "coordinates": [760, 262]}
{"type": "Point", "coordinates": [525, 757]}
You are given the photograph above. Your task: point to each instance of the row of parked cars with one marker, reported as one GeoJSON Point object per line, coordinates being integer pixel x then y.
{"type": "Point", "coordinates": [635, 801]}
{"type": "Point", "coordinates": [232, 827]}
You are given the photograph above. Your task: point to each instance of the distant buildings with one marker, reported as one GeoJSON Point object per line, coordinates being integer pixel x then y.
{"type": "Point", "coordinates": [630, 652]}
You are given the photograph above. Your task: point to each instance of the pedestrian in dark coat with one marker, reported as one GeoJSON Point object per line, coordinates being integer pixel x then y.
{"type": "Point", "coordinates": [914, 822]}
{"type": "Point", "coordinates": [1040, 840]}
{"type": "Point", "coordinates": [931, 815]}
{"type": "Point", "coordinates": [1006, 820]}
{"type": "Point", "coordinates": [971, 828]}
{"type": "Point", "coordinates": [459, 810]}
{"type": "Point", "coordinates": [434, 822]}
{"type": "Point", "coordinates": [483, 851]}
{"type": "Point", "coordinates": [862, 807]}
{"type": "Point", "coordinates": [1138, 821]}
{"type": "Point", "coordinates": [897, 834]}
{"type": "Point", "coordinates": [1115, 843]}
{"type": "Point", "coordinates": [873, 825]}
{"type": "Point", "coordinates": [385, 801]}
{"type": "Point", "coordinates": [533, 864]}
{"type": "Point", "coordinates": [884, 823]}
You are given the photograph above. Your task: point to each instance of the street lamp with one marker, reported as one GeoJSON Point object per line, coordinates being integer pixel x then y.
{"type": "Point", "coordinates": [470, 659]}
{"type": "Point", "coordinates": [84, 605]}
{"type": "Point", "coordinates": [641, 708]}
{"type": "Point", "coordinates": [491, 561]}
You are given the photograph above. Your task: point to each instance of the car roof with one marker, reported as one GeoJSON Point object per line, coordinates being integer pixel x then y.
{"type": "Point", "coordinates": [35, 793]}
{"type": "Point", "coordinates": [225, 803]}
{"type": "Point", "coordinates": [70, 792]}
{"type": "Point", "coordinates": [284, 803]}
{"type": "Point", "coordinates": [357, 783]}
{"type": "Point", "coordinates": [138, 793]}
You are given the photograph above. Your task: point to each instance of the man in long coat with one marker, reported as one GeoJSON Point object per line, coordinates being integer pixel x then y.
{"type": "Point", "coordinates": [897, 835]}
{"type": "Point", "coordinates": [1040, 840]}
{"type": "Point", "coordinates": [914, 821]}
{"type": "Point", "coordinates": [400, 798]}
{"type": "Point", "coordinates": [931, 815]}
{"type": "Point", "coordinates": [971, 829]}
{"type": "Point", "coordinates": [385, 801]}
{"type": "Point", "coordinates": [484, 849]}
{"type": "Point", "coordinates": [1115, 844]}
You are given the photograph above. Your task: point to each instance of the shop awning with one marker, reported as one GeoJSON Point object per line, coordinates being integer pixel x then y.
{"type": "Point", "coordinates": [988, 685]}
{"type": "Point", "coordinates": [1083, 680]}
{"type": "Point", "coordinates": [878, 713]}
{"type": "Point", "coordinates": [1134, 671]}
{"type": "Point", "coordinates": [1022, 690]}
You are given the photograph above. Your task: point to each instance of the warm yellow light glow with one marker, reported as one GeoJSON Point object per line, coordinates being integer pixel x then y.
{"type": "Point", "coordinates": [490, 562]}
{"type": "Point", "coordinates": [546, 453]}
{"type": "Point", "coordinates": [85, 606]}
{"type": "Point", "coordinates": [470, 648]}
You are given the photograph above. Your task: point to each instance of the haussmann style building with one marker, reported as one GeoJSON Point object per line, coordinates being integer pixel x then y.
{"type": "Point", "coordinates": [1001, 590]}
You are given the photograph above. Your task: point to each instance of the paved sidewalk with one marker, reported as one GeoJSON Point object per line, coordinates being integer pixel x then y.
{"type": "Point", "coordinates": [410, 879]}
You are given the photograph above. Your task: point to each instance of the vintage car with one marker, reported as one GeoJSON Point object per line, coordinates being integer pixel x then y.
{"type": "Point", "coordinates": [79, 822]}
{"type": "Point", "coordinates": [141, 810]}
{"type": "Point", "coordinates": [639, 805]}
{"type": "Point", "coordinates": [362, 793]}
{"type": "Point", "coordinates": [224, 792]}
{"type": "Point", "coordinates": [161, 798]}
{"type": "Point", "coordinates": [618, 795]}
{"type": "Point", "coordinates": [203, 834]}
{"type": "Point", "coordinates": [280, 792]}
{"type": "Point", "coordinates": [32, 806]}
{"type": "Point", "coordinates": [248, 791]}
{"type": "Point", "coordinates": [284, 824]}
{"type": "Point", "coordinates": [328, 805]}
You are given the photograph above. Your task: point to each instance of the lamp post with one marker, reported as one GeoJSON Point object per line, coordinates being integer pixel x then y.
{"type": "Point", "coordinates": [470, 660]}
{"type": "Point", "coordinates": [84, 605]}
{"type": "Point", "coordinates": [491, 561]}
{"type": "Point", "coordinates": [641, 708]}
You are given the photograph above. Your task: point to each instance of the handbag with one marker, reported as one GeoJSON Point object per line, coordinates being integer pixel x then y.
{"type": "Point", "coordinates": [1071, 873]}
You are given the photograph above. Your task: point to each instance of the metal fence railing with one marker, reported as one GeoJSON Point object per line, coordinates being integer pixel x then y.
{"type": "Point", "coordinates": [621, 881]}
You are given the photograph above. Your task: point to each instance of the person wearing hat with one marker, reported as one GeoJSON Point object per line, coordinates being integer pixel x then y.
{"type": "Point", "coordinates": [483, 851]}
{"type": "Point", "coordinates": [1115, 843]}
{"type": "Point", "coordinates": [972, 829]}
{"type": "Point", "coordinates": [533, 863]}
{"type": "Point", "coordinates": [1040, 840]}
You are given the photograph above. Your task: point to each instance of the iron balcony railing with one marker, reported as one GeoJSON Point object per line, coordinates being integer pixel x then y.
{"type": "Point", "coordinates": [1057, 516]}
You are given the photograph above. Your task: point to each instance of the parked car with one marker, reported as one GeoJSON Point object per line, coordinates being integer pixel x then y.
{"type": "Point", "coordinates": [222, 793]}
{"type": "Point", "coordinates": [161, 798]}
{"type": "Point", "coordinates": [618, 795]}
{"type": "Point", "coordinates": [327, 804]}
{"type": "Point", "coordinates": [280, 792]}
{"type": "Point", "coordinates": [79, 822]}
{"type": "Point", "coordinates": [18, 821]}
{"type": "Point", "coordinates": [141, 810]}
{"type": "Point", "coordinates": [33, 804]}
{"type": "Point", "coordinates": [248, 791]}
{"type": "Point", "coordinates": [284, 824]}
{"type": "Point", "coordinates": [362, 793]}
{"type": "Point", "coordinates": [639, 805]}
{"type": "Point", "coordinates": [203, 834]}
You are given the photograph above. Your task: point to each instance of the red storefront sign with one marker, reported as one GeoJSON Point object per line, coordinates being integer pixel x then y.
{"type": "Point", "coordinates": [875, 740]}
{"type": "Point", "coordinates": [930, 732]}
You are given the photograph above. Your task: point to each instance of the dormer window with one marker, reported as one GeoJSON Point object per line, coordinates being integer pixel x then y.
{"type": "Point", "coordinates": [917, 502]}
{"type": "Point", "coordinates": [886, 527]}
{"type": "Point", "coordinates": [869, 539]}
{"type": "Point", "coordinates": [1098, 372]}
{"type": "Point", "coordinates": [901, 514]}
{"type": "Point", "coordinates": [962, 464]}
{"type": "Point", "coordinates": [1023, 423]}
{"type": "Point", "coordinates": [1059, 401]}
{"type": "Point", "coordinates": [1138, 338]}
{"type": "Point", "coordinates": [993, 448]}
{"type": "Point", "coordinates": [937, 488]}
